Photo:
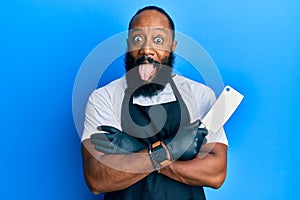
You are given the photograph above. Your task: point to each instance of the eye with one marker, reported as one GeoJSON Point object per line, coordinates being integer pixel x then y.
{"type": "Point", "coordinates": [158, 40]}
{"type": "Point", "coordinates": [138, 39]}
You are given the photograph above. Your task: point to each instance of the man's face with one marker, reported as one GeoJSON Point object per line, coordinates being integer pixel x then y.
{"type": "Point", "coordinates": [150, 41]}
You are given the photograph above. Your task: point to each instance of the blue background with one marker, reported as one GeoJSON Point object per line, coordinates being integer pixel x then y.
{"type": "Point", "coordinates": [255, 44]}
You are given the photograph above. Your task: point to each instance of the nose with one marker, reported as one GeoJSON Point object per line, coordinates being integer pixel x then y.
{"type": "Point", "coordinates": [147, 49]}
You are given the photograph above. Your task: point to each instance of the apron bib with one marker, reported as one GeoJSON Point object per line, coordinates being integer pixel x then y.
{"type": "Point", "coordinates": [145, 124]}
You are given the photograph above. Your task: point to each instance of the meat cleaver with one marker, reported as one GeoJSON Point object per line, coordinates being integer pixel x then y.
{"type": "Point", "coordinates": [223, 108]}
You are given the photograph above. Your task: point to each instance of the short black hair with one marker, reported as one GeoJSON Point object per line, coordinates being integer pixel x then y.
{"type": "Point", "coordinates": [158, 9]}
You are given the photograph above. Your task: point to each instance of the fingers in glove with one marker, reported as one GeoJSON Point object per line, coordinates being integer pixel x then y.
{"type": "Point", "coordinates": [105, 143]}
{"type": "Point", "coordinates": [108, 129]}
{"type": "Point", "coordinates": [101, 143]}
{"type": "Point", "coordinates": [203, 131]}
{"type": "Point", "coordinates": [102, 136]}
{"type": "Point", "coordinates": [99, 136]}
{"type": "Point", "coordinates": [103, 149]}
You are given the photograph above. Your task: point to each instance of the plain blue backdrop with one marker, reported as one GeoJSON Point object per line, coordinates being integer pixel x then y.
{"type": "Point", "coordinates": [255, 44]}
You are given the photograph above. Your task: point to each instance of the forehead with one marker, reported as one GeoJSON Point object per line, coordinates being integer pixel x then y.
{"type": "Point", "coordinates": [150, 19]}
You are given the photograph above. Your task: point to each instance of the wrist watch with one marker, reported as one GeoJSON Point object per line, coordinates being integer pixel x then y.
{"type": "Point", "coordinates": [159, 152]}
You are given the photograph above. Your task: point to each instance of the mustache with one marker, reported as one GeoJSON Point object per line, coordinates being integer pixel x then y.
{"type": "Point", "coordinates": [143, 59]}
{"type": "Point", "coordinates": [130, 62]}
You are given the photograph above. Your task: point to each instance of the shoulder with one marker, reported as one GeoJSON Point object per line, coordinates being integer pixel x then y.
{"type": "Point", "coordinates": [198, 97]}
{"type": "Point", "coordinates": [199, 90]}
{"type": "Point", "coordinates": [112, 90]}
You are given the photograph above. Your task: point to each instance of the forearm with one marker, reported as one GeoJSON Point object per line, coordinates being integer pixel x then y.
{"type": "Point", "coordinates": [208, 170]}
{"type": "Point", "coordinates": [106, 173]}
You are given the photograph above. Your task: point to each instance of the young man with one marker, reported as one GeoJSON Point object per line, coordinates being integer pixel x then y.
{"type": "Point", "coordinates": [142, 138]}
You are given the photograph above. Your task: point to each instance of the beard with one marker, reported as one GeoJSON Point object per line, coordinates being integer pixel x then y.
{"type": "Point", "coordinates": [138, 87]}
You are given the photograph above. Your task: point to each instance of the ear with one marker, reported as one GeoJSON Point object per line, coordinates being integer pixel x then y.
{"type": "Point", "coordinates": [174, 44]}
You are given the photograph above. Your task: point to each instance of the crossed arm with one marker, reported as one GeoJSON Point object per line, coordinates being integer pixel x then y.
{"type": "Point", "coordinates": [105, 173]}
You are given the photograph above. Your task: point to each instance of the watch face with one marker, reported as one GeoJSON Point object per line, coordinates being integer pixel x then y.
{"type": "Point", "coordinates": [160, 154]}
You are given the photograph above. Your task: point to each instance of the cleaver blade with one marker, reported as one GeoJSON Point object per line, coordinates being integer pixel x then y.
{"type": "Point", "coordinates": [223, 108]}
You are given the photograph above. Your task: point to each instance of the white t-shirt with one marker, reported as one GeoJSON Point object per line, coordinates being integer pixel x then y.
{"type": "Point", "coordinates": [105, 104]}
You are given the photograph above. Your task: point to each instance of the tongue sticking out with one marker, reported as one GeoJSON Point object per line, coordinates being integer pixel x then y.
{"type": "Point", "coordinates": [147, 72]}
